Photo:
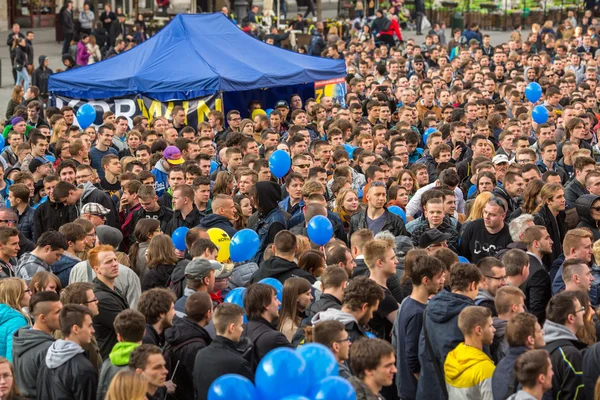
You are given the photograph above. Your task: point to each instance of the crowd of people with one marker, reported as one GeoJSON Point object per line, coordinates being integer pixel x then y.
{"type": "Point", "coordinates": [463, 259]}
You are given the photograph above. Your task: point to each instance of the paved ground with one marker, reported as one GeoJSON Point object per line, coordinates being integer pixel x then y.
{"type": "Point", "coordinates": [44, 44]}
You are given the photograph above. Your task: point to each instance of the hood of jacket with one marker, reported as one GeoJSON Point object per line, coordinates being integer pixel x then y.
{"type": "Point", "coordinates": [159, 166]}
{"type": "Point", "coordinates": [214, 221]}
{"type": "Point", "coordinates": [460, 363]}
{"type": "Point", "coordinates": [41, 60]}
{"type": "Point", "coordinates": [184, 329]}
{"type": "Point", "coordinates": [121, 353]}
{"type": "Point", "coordinates": [500, 325]}
{"type": "Point", "coordinates": [484, 295]}
{"type": "Point", "coordinates": [269, 196]}
{"type": "Point", "coordinates": [554, 331]}
{"type": "Point", "coordinates": [88, 188]}
{"type": "Point", "coordinates": [583, 205]}
{"type": "Point", "coordinates": [27, 339]}
{"type": "Point", "coordinates": [333, 315]}
{"type": "Point", "coordinates": [446, 305]}
{"type": "Point", "coordinates": [242, 274]}
{"type": "Point", "coordinates": [277, 266]}
{"type": "Point", "coordinates": [60, 352]}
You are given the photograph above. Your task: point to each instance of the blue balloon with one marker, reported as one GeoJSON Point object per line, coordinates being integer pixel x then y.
{"type": "Point", "coordinates": [49, 157]}
{"type": "Point", "coordinates": [86, 115]}
{"type": "Point", "coordinates": [232, 386]}
{"type": "Point", "coordinates": [349, 149]}
{"type": "Point", "coordinates": [276, 284]}
{"type": "Point", "coordinates": [320, 361]}
{"type": "Point", "coordinates": [2, 142]}
{"type": "Point", "coordinates": [213, 166]}
{"type": "Point", "coordinates": [280, 163]}
{"type": "Point", "coordinates": [269, 111]}
{"type": "Point", "coordinates": [295, 397]}
{"type": "Point", "coordinates": [236, 296]}
{"type": "Point", "coordinates": [539, 114]}
{"type": "Point", "coordinates": [533, 92]}
{"type": "Point", "coordinates": [320, 230]}
{"type": "Point", "coordinates": [282, 372]}
{"type": "Point", "coordinates": [472, 190]}
{"type": "Point", "coordinates": [178, 238]}
{"type": "Point", "coordinates": [333, 388]}
{"type": "Point", "coordinates": [463, 259]}
{"type": "Point", "coordinates": [370, 335]}
{"type": "Point", "coordinates": [398, 211]}
{"type": "Point", "coordinates": [244, 245]}
{"type": "Point", "coordinates": [426, 134]}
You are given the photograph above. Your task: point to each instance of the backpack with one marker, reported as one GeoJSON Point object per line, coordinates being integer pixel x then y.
{"type": "Point", "coordinates": [178, 282]}
{"type": "Point", "coordinates": [169, 353]}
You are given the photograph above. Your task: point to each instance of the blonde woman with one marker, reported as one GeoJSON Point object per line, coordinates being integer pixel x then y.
{"type": "Point", "coordinates": [127, 385]}
{"type": "Point", "coordinates": [59, 131]}
{"type": "Point", "coordinates": [346, 205]}
{"type": "Point", "coordinates": [476, 211]}
{"type": "Point", "coordinates": [94, 50]}
{"type": "Point", "coordinates": [8, 391]}
{"type": "Point", "coordinates": [14, 296]}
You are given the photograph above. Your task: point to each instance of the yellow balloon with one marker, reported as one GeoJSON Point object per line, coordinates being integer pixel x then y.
{"type": "Point", "coordinates": [221, 239]}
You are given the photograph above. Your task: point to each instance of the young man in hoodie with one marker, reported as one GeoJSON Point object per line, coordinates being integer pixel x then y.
{"type": "Point", "coordinates": [66, 372]}
{"type": "Point", "coordinates": [564, 317]}
{"type": "Point", "coordinates": [534, 373]}
{"type": "Point", "coordinates": [332, 334]}
{"type": "Point", "coordinates": [79, 196]}
{"type": "Point", "coordinates": [494, 277]}
{"type": "Point", "coordinates": [75, 235]}
{"type": "Point", "coordinates": [509, 301]}
{"type": "Point", "coordinates": [333, 281]}
{"type": "Point", "coordinates": [185, 339]}
{"type": "Point", "coordinates": [270, 220]}
{"type": "Point", "coordinates": [523, 333]}
{"type": "Point", "coordinates": [49, 247]}
{"type": "Point", "coordinates": [158, 307]}
{"type": "Point", "coordinates": [467, 368]}
{"type": "Point", "coordinates": [41, 75]}
{"type": "Point", "coordinates": [373, 364]}
{"type": "Point", "coordinates": [129, 326]}
{"type": "Point", "coordinates": [171, 156]}
{"type": "Point", "coordinates": [427, 277]}
{"type": "Point", "coordinates": [440, 328]}
{"type": "Point", "coordinates": [30, 345]}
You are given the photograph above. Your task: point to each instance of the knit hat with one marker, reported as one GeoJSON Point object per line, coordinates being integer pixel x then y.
{"type": "Point", "coordinates": [109, 235]}
{"type": "Point", "coordinates": [16, 120]}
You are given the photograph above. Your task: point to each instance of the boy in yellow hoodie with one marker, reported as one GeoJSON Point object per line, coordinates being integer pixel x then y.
{"type": "Point", "coordinates": [468, 370]}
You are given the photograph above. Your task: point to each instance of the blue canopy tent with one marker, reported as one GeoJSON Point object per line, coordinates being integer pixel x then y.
{"type": "Point", "coordinates": [194, 56]}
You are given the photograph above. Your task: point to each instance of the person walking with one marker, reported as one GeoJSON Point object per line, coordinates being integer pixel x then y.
{"type": "Point", "coordinates": [66, 20]}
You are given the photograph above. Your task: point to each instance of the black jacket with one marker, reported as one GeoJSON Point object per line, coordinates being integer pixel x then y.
{"type": "Point", "coordinates": [583, 205]}
{"type": "Point", "coordinates": [393, 282]}
{"type": "Point", "coordinates": [445, 227]}
{"type": "Point", "coordinates": [219, 358]}
{"type": "Point", "coordinates": [157, 277]}
{"type": "Point", "coordinates": [537, 289]}
{"type": "Point", "coordinates": [393, 223]}
{"type": "Point", "coordinates": [50, 216]}
{"type": "Point", "coordinates": [264, 337]}
{"type": "Point", "coordinates": [557, 229]}
{"type": "Point", "coordinates": [218, 221]}
{"type": "Point", "coordinates": [66, 20]}
{"type": "Point", "coordinates": [185, 338]}
{"type": "Point", "coordinates": [502, 193]}
{"type": "Point", "coordinates": [110, 304]}
{"type": "Point", "coordinates": [25, 245]}
{"type": "Point", "coordinates": [573, 191]}
{"type": "Point", "coordinates": [164, 216]}
{"type": "Point", "coordinates": [326, 302]}
{"type": "Point", "coordinates": [40, 77]}
{"type": "Point", "coordinates": [280, 269]}
{"type": "Point", "coordinates": [591, 370]}
{"type": "Point", "coordinates": [21, 58]}
{"type": "Point", "coordinates": [190, 221]}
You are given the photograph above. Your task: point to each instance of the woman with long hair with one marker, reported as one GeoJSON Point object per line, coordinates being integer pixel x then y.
{"type": "Point", "coordinates": [399, 195]}
{"type": "Point", "coordinates": [45, 281]}
{"type": "Point", "coordinates": [346, 205]}
{"type": "Point", "coordinates": [313, 262]}
{"type": "Point", "coordinates": [94, 50]}
{"type": "Point", "coordinates": [90, 239]}
{"type": "Point", "coordinates": [161, 259]}
{"type": "Point", "coordinates": [8, 391]}
{"type": "Point", "coordinates": [245, 206]}
{"type": "Point", "coordinates": [127, 385]}
{"type": "Point", "coordinates": [408, 179]}
{"type": "Point", "coordinates": [296, 299]}
{"type": "Point", "coordinates": [587, 333]}
{"type": "Point", "coordinates": [224, 183]}
{"type": "Point", "coordinates": [144, 231]}
{"type": "Point", "coordinates": [531, 199]}
{"type": "Point", "coordinates": [59, 131]}
{"type": "Point", "coordinates": [16, 99]}
{"type": "Point", "coordinates": [14, 296]}
{"type": "Point", "coordinates": [239, 221]}
{"type": "Point", "coordinates": [476, 211]}
{"type": "Point", "coordinates": [486, 182]}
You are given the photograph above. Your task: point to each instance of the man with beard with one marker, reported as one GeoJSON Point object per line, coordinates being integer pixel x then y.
{"type": "Point", "coordinates": [158, 307]}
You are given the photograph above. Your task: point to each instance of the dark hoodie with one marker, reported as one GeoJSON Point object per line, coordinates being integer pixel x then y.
{"type": "Point", "coordinates": [270, 219]}
{"type": "Point", "coordinates": [186, 339]}
{"type": "Point", "coordinates": [218, 221]}
{"type": "Point", "coordinates": [583, 205]}
{"type": "Point", "coordinates": [29, 352]}
{"type": "Point", "coordinates": [72, 63]}
{"type": "Point", "coordinates": [441, 322]}
{"type": "Point", "coordinates": [280, 269]}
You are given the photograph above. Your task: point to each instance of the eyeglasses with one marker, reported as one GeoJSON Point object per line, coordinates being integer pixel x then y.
{"type": "Point", "coordinates": [343, 340]}
{"type": "Point", "coordinates": [582, 309]}
{"type": "Point", "coordinates": [6, 376]}
{"type": "Point", "coordinates": [499, 278]}
{"type": "Point", "coordinates": [94, 300]}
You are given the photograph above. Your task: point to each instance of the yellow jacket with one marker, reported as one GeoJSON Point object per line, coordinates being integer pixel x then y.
{"type": "Point", "coordinates": [468, 373]}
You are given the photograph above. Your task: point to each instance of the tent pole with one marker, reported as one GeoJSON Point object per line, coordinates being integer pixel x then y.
{"type": "Point", "coordinates": [278, 13]}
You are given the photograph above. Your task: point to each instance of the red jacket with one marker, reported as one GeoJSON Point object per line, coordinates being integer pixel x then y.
{"type": "Point", "coordinates": [394, 28]}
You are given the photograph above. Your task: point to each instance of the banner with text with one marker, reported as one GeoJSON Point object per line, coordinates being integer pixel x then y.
{"type": "Point", "coordinates": [334, 88]}
{"type": "Point", "coordinates": [196, 109]}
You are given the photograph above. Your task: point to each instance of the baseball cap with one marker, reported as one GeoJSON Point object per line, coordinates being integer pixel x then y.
{"type": "Point", "coordinates": [473, 41]}
{"type": "Point", "coordinates": [225, 271]}
{"type": "Point", "coordinates": [282, 103]}
{"type": "Point", "coordinates": [37, 162]}
{"type": "Point", "coordinates": [95, 209]}
{"type": "Point", "coordinates": [200, 268]}
{"type": "Point", "coordinates": [432, 236]}
{"type": "Point", "coordinates": [500, 159]}
{"type": "Point", "coordinates": [108, 235]}
{"type": "Point", "coordinates": [173, 155]}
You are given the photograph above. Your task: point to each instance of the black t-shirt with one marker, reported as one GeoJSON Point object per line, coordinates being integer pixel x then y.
{"type": "Point", "coordinates": [477, 243]}
{"type": "Point", "coordinates": [110, 188]}
{"type": "Point", "coordinates": [380, 325]}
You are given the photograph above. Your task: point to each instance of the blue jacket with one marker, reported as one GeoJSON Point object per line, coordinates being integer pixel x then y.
{"type": "Point", "coordinates": [293, 211]}
{"type": "Point", "coordinates": [10, 321]}
{"type": "Point", "coordinates": [62, 268]}
{"type": "Point", "coordinates": [441, 322]}
{"type": "Point", "coordinates": [558, 285]}
{"type": "Point", "coordinates": [504, 374]}
{"type": "Point", "coordinates": [25, 224]}
{"type": "Point", "coordinates": [263, 232]}
{"type": "Point", "coordinates": [162, 178]}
